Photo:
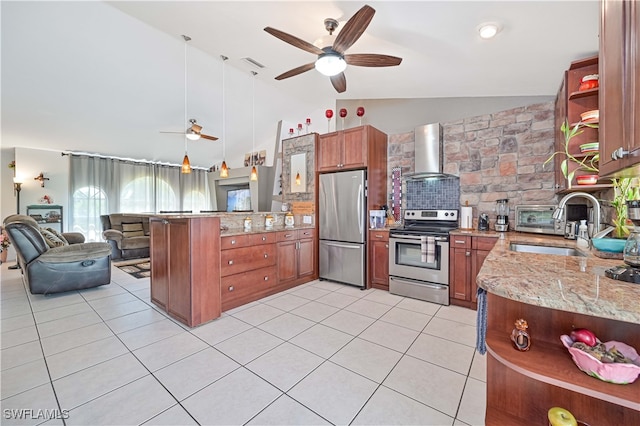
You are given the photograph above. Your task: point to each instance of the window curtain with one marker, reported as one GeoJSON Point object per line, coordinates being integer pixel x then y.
{"type": "Point", "coordinates": [101, 185]}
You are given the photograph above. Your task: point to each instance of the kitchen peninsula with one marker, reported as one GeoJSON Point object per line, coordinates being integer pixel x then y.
{"type": "Point", "coordinates": [203, 264]}
{"type": "Point", "coordinates": [554, 293]}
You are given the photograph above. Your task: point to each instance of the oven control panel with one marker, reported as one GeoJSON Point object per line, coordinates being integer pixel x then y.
{"type": "Point", "coordinates": [426, 215]}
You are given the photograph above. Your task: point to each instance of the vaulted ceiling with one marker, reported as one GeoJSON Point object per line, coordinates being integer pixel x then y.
{"type": "Point", "coordinates": [106, 77]}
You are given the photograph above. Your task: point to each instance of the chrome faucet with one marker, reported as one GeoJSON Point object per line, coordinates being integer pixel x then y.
{"type": "Point", "coordinates": [558, 213]}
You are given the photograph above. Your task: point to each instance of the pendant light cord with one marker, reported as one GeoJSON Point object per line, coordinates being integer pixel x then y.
{"type": "Point", "coordinates": [186, 39]}
{"type": "Point", "coordinates": [224, 139]}
{"type": "Point", "coordinates": [253, 116]}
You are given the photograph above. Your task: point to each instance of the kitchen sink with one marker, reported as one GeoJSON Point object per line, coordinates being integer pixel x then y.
{"type": "Point", "coordinates": [531, 248]}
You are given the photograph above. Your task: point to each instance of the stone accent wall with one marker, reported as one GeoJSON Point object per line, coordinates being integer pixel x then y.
{"type": "Point", "coordinates": [496, 156]}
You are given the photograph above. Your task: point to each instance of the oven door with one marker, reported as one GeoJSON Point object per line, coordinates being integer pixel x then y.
{"type": "Point", "coordinates": [406, 260]}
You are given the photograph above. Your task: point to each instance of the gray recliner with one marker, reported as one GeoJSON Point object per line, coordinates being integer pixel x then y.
{"type": "Point", "coordinates": [57, 269]}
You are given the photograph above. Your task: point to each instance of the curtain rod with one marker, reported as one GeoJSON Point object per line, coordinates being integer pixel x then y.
{"type": "Point", "coordinates": [131, 160]}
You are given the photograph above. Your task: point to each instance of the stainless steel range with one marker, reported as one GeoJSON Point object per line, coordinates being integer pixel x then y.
{"type": "Point", "coordinates": [419, 255]}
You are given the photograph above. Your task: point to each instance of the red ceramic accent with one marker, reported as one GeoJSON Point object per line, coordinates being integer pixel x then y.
{"type": "Point", "coordinates": [360, 111]}
{"type": "Point", "coordinates": [308, 121]}
{"type": "Point", "coordinates": [343, 112]}
{"type": "Point", "coordinates": [328, 113]}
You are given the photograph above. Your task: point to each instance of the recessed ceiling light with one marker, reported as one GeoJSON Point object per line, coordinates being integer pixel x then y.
{"type": "Point", "coordinates": [488, 30]}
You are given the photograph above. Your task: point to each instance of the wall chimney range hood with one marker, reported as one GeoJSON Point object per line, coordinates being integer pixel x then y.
{"type": "Point", "coordinates": [428, 153]}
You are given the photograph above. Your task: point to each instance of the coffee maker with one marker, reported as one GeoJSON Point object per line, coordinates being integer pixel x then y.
{"type": "Point", "coordinates": [502, 221]}
{"type": "Point", "coordinates": [631, 254]}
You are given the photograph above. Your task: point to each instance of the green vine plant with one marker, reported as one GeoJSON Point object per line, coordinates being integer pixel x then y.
{"type": "Point", "coordinates": [624, 189]}
{"type": "Point", "coordinates": [588, 163]}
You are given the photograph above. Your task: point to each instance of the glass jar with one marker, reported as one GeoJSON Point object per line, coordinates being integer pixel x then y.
{"type": "Point", "coordinates": [289, 220]}
{"type": "Point", "coordinates": [268, 221]}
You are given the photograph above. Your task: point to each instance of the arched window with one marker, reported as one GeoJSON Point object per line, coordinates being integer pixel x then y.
{"type": "Point", "coordinates": [89, 203]}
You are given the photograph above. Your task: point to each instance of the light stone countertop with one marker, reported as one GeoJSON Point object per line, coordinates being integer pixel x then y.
{"type": "Point", "coordinates": [261, 229]}
{"type": "Point", "coordinates": [566, 283]}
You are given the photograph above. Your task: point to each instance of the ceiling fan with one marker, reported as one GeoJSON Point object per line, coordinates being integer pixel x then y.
{"type": "Point", "coordinates": [332, 60]}
{"type": "Point", "coordinates": [194, 132]}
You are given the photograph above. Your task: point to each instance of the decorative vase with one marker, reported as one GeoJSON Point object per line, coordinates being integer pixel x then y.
{"type": "Point", "coordinates": [3, 255]}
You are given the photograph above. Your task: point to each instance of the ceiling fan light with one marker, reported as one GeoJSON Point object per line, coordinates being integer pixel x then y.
{"type": "Point", "coordinates": [488, 30]}
{"type": "Point", "coordinates": [186, 165]}
{"type": "Point", "coordinates": [254, 174]}
{"type": "Point", "coordinates": [330, 64]}
{"type": "Point", "coordinates": [224, 170]}
{"type": "Point", "coordinates": [192, 135]}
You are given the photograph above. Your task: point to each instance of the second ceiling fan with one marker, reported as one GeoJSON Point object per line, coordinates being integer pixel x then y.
{"type": "Point", "coordinates": [194, 132]}
{"type": "Point", "coordinates": [332, 60]}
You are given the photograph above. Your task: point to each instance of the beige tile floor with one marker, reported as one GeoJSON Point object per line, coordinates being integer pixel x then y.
{"type": "Point", "coordinates": [321, 353]}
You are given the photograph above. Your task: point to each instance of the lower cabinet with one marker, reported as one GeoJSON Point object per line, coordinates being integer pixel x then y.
{"type": "Point", "coordinates": [296, 257]}
{"type": "Point", "coordinates": [466, 256]}
{"type": "Point", "coordinates": [185, 279]}
{"type": "Point", "coordinates": [379, 259]}
{"type": "Point", "coordinates": [248, 268]}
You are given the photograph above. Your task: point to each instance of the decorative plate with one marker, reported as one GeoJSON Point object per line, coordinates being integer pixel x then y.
{"type": "Point", "coordinates": [589, 147]}
{"type": "Point", "coordinates": [587, 179]}
{"type": "Point", "coordinates": [590, 116]}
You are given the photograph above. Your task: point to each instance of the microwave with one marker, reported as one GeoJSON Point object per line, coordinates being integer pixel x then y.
{"type": "Point", "coordinates": [538, 219]}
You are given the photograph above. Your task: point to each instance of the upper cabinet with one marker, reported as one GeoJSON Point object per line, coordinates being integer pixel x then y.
{"type": "Point", "coordinates": [349, 149]}
{"type": "Point", "coordinates": [619, 88]}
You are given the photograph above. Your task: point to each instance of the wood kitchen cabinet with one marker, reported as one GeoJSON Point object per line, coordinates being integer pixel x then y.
{"type": "Point", "coordinates": [248, 268]}
{"type": "Point", "coordinates": [296, 257]}
{"type": "Point", "coordinates": [620, 90]}
{"type": "Point", "coordinates": [570, 103]}
{"type": "Point", "coordinates": [349, 149]}
{"type": "Point", "coordinates": [466, 256]}
{"type": "Point", "coordinates": [185, 276]}
{"type": "Point", "coordinates": [379, 259]}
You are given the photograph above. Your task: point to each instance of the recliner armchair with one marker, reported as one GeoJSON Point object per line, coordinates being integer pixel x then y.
{"type": "Point", "coordinates": [57, 269]}
{"type": "Point", "coordinates": [127, 233]}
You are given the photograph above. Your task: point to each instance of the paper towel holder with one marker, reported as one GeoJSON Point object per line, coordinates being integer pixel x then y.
{"type": "Point", "coordinates": [466, 217]}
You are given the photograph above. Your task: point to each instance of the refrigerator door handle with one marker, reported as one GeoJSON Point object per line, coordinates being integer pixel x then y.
{"type": "Point", "coordinates": [349, 246]}
{"type": "Point", "coordinates": [360, 213]}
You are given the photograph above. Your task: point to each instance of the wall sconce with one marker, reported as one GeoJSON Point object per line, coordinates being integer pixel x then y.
{"type": "Point", "coordinates": [41, 178]}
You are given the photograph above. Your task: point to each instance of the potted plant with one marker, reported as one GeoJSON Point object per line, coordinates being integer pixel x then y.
{"type": "Point", "coordinates": [624, 189]}
{"type": "Point", "coordinates": [587, 163]}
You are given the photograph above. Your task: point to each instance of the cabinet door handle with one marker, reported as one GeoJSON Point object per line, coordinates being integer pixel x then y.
{"type": "Point", "coordinates": [231, 262]}
{"type": "Point", "coordinates": [266, 255]}
{"type": "Point", "coordinates": [378, 236]}
{"type": "Point", "coordinates": [386, 246]}
{"type": "Point", "coordinates": [619, 154]}
{"type": "Point", "coordinates": [264, 238]}
{"type": "Point", "coordinates": [266, 278]}
{"type": "Point", "coordinates": [230, 288]}
{"type": "Point", "coordinates": [165, 222]}
{"type": "Point", "coordinates": [233, 242]}
{"type": "Point", "coordinates": [468, 253]}
{"type": "Point", "coordinates": [460, 242]}
{"type": "Point", "coordinates": [288, 235]}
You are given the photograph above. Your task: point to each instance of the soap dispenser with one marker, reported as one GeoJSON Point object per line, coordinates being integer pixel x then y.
{"type": "Point", "coordinates": [583, 235]}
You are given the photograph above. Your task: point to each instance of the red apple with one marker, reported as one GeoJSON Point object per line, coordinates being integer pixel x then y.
{"type": "Point", "coordinates": [585, 336]}
{"type": "Point", "coordinates": [561, 417]}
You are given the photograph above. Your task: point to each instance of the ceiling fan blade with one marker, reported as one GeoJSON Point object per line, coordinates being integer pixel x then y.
{"type": "Point", "coordinates": [211, 138]}
{"type": "Point", "coordinates": [372, 60]}
{"type": "Point", "coordinates": [166, 131]}
{"type": "Point", "coordinates": [296, 71]}
{"type": "Point", "coordinates": [353, 29]}
{"type": "Point", "coordinates": [339, 82]}
{"type": "Point", "coordinates": [294, 41]}
{"type": "Point", "coordinates": [196, 128]}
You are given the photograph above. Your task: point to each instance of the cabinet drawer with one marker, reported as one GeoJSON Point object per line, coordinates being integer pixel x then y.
{"type": "Point", "coordinates": [237, 241]}
{"type": "Point", "coordinates": [378, 235]}
{"type": "Point", "coordinates": [248, 283]}
{"type": "Point", "coordinates": [247, 258]}
{"type": "Point", "coordinates": [458, 241]}
{"type": "Point", "coordinates": [306, 233]}
{"type": "Point", "coordinates": [291, 235]}
{"type": "Point", "coordinates": [263, 238]}
{"type": "Point", "coordinates": [483, 243]}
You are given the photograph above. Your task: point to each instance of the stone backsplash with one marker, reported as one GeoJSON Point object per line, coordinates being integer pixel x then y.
{"type": "Point", "coordinates": [495, 156]}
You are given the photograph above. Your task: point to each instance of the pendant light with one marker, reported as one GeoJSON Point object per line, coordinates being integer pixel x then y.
{"type": "Point", "coordinates": [224, 170]}
{"type": "Point", "coordinates": [186, 165]}
{"type": "Point", "coordinates": [254, 172]}
{"type": "Point", "coordinates": [298, 179]}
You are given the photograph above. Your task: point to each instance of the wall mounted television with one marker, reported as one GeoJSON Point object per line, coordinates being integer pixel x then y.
{"type": "Point", "coordinates": [239, 200]}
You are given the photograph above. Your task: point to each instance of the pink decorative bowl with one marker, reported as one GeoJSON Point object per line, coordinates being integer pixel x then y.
{"type": "Point", "coordinates": [618, 373]}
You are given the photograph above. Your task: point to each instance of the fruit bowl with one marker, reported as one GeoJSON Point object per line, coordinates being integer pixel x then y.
{"type": "Point", "coordinates": [618, 373]}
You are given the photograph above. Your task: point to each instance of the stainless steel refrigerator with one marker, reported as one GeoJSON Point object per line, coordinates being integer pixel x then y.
{"type": "Point", "coordinates": [343, 227]}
